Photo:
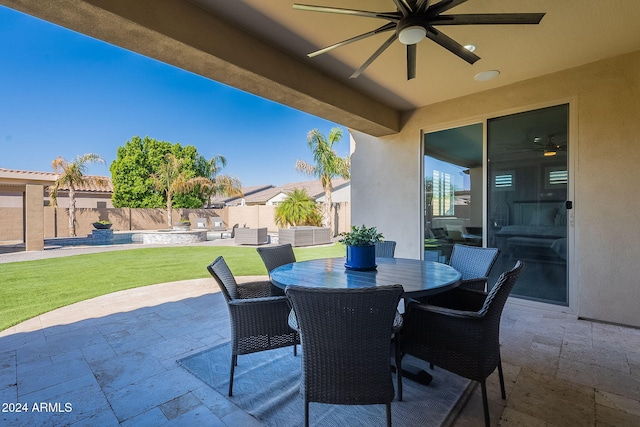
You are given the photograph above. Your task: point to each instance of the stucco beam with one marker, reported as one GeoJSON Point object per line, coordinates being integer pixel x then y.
{"type": "Point", "coordinates": [181, 34]}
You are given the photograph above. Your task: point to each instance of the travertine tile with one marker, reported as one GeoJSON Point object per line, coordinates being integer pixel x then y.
{"type": "Point", "coordinates": [179, 406]}
{"type": "Point", "coordinates": [512, 418]}
{"type": "Point", "coordinates": [552, 401]}
{"type": "Point", "coordinates": [558, 370]}
{"type": "Point", "coordinates": [614, 401]}
{"type": "Point", "coordinates": [605, 358]}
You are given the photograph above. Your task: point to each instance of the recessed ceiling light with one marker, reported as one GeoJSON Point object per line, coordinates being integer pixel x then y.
{"type": "Point", "coordinates": [470, 47]}
{"type": "Point", "coordinates": [486, 75]}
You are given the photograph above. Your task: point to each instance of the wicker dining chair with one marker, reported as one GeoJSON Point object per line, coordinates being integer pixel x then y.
{"type": "Point", "coordinates": [275, 256]}
{"type": "Point", "coordinates": [258, 319]}
{"type": "Point", "coordinates": [345, 341]}
{"type": "Point", "coordinates": [386, 249]}
{"type": "Point", "coordinates": [459, 331]}
{"type": "Point", "coordinates": [474, 263]}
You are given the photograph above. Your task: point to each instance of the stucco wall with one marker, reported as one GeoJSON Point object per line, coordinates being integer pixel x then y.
{"type": "Point", "coordinates": [604, 143]}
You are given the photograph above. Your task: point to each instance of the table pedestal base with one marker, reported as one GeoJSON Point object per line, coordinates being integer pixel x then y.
{"type": "Point", "coordinates": [415, 374]}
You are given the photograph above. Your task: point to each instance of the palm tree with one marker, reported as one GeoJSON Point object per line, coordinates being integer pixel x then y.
{"type": "Point", "coordinates": [170, 180]}
{"type": "Point", "coordinates": [298, 209]}
{"type": "Point", "coordinates": [328, 165]}
{"type": "Point", "coordinates": [220, 184]}
{"type": "Point", "coordinates": [72, 175]}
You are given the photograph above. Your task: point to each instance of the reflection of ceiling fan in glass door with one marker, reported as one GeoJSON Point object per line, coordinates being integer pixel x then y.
{"type": "Point", "coordinates": [550, 145]}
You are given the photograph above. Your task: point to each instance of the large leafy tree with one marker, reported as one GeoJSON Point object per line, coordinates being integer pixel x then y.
{"type": "Point", "coordinates": [298, 209]}
{"type": "Point", "coordinates": [71, 176]}
{"type": "Point", "coordinates": [328, 165]}
{"type": "Point", "coordinates": [140, 158]}
{"type": "Point", "coordinates": [219, 185]}
{"type": "Point", "coordinates": [172, 179]}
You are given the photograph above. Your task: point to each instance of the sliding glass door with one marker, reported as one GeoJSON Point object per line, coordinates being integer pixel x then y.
{"type": "Point", "coordinates": [527, 200]}
{"type": "Point", "coordinates": [526, 196]}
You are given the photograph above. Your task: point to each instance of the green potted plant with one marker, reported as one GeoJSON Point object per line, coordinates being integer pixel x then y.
{"type": "Point", "coordinates": [361, 247]}
{"type": "Point", "coordinates": [103, 224]}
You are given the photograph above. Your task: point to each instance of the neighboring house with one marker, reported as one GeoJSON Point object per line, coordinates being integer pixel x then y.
{"type": "Point", "coordinates": [272, 195]}
{"type": "Point", "coordinates": [13, 182]}
{"type": "Point", "coordinates": [257, 207]}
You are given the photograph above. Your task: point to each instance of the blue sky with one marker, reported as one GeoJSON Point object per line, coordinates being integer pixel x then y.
{"type": "Point", "coordinates": [65, 94]}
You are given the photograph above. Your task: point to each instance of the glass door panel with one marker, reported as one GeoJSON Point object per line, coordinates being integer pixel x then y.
{"type": "Point", "coordinates": [527, 190]}
{"type": "Point", "coordinates": [453, 190]}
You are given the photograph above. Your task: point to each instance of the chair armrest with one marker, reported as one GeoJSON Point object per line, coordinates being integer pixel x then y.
{"type": "Point", "coordinates": [415, 309]}
{"type": "Point", "coordinates": [253, 290]}
{"type": "Point", "coordinates": [475, 284]}
{"type": "Point", "coordinates": [430, 326]}
{"type": "Point", "coordinates": [260, 316]}
{"type": "Point", "coordinates": [459, 299]}
{"type": "Point", "coordinates": [275, 300]}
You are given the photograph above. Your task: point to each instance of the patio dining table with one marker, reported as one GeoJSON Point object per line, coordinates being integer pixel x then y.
{"type": "Point", "coordinates": [418, 278]}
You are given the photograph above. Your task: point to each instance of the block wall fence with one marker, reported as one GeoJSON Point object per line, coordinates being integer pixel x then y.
{"type": "Point", "coordinates": [56, 219]}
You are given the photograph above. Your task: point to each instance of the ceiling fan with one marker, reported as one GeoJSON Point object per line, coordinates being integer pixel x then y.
{"type": "Point", "coordinates": [416, 19]}
{"type": "Point", "coordinates": [550, 145]}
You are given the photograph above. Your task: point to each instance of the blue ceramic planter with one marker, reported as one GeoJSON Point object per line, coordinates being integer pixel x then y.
{"type": "Point", "coordinates": [361, 257]}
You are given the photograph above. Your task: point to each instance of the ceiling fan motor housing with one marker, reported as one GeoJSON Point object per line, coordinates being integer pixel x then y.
{"type": "Point", "coordinates": [412, 29]}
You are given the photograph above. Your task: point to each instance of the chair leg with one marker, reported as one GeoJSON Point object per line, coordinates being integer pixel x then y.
{"type": "Point", "coordinates": [388, 414]}
{"type": "Point", "coordinates": [306, 413]}
{"type": "Point", "coordinates": [485, 403]}
{"type": "Point", "coordinates": [501, 375]}
{"type": "Point", "coordinates": [234, 362]}
{"type": "Point", "coordinates": [398, 367]}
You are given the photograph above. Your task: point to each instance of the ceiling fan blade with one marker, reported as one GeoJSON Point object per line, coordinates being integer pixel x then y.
{"type": "Point", "coordinates": [451, 45]}
{"type": "Point", "coordinates": [374, 56]}
{"type": "Point", "coordinates": [488, 19]}
{"type": "Point", "coordinates": [384, 28]}
{"type": "Point", "coordinates": [443, 6]}
{"type": "Point", "coordinates": [403, 6]}
{"type": "Point", "coordinates": [422, 5]}
{"type": "Point", "coordinates": [391, 16]}
{"type": "Point", "coordinates": [411, 61]}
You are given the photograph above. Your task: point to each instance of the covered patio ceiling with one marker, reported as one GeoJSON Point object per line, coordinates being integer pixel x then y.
{"type": "Point", "coordinates": [260, 47]}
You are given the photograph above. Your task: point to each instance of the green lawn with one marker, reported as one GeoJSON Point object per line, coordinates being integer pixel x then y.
{"type": "Point", "coordinates": [30, 288]}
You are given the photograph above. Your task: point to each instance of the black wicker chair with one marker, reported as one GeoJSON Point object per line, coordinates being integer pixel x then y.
{"type": "Point", "coordinates": [258, 319]}
{"type": "Point", "coordinates": [275, 256]}
{"type": "Point", "coordinates": [474, 263]}
{"type": "Point", "coordinates": [345, 341]}
{"type": "Point", "coordinates": [386, 249]}
{"type": "Point", "coordinates": [460, 331]}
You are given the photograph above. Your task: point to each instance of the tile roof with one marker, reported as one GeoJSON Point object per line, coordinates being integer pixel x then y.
{"type": "Point", "coordinates": [48, 178]}
{"type": "Point", "coordinates": [313, 189]}
{"type": "Point", "coordinates": [257, 194]}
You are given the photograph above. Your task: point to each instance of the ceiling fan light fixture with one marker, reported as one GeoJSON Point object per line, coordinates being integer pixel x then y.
{"type": "Point", "coordinates": [549, 153]}
{"type": "Point", "coordinates": [412, 35]}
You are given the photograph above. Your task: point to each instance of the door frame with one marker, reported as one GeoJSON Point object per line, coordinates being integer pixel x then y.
{"type": "Point", "coordinates": [572, 144]}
